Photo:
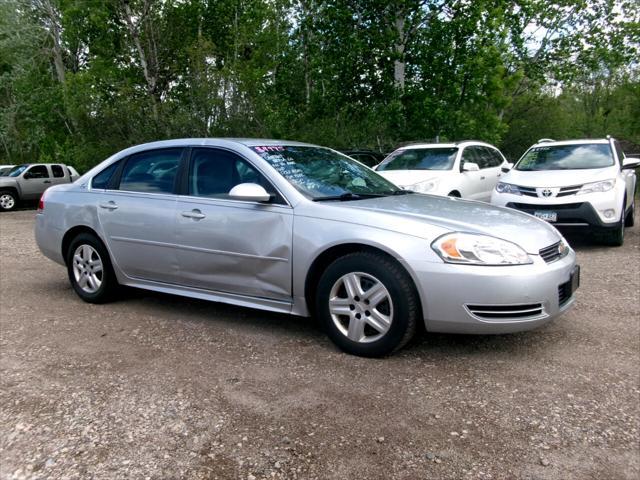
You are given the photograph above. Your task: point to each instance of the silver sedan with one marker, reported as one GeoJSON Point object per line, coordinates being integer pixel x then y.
{"type": "Point", "coordinates": [301, 229]}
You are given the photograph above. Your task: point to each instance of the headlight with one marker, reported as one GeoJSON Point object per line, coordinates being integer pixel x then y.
{"type": "Point", "coordinates": [426, 186]}
{"type": "Point", "coordinates": [594, 187]}
{"type": "Point", "coordinates": [469, 248]}
{"type": "Point", "coordinates": [507, 188]}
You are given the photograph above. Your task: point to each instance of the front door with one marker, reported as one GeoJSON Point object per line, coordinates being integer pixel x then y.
{"type": "Point", "coordinates": [239, 247]}
{"type": "Point", "coordinates": [35, 180]}
{"type": "Point", "coordinates": [471, 185]}
{"type": "Point", "coordinates": [138, 215]}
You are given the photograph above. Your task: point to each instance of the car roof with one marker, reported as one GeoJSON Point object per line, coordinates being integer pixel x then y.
{"type": "Point", "coordinates": [581, 141]}
{"type": "Point", "coordinates": [248, 142]}
{"type": "Point", "coordinates": [462, 143]}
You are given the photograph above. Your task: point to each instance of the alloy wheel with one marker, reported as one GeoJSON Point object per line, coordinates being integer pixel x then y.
{"type": "Point", "coordinates": [7, 202]}
{"type": "Point", "coordinates": [87, 268]}
{"type": "Point", "coordinates": [361, 307]}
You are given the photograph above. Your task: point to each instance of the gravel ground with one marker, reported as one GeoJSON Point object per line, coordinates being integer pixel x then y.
{"type": "Point", "coordinates": [162, 387]}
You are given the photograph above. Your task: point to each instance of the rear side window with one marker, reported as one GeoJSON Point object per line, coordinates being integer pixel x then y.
{"type": "Point", "coordinates": [493, 158]}
{"type": "Point", "coordinates": [101, 180]}
{"type": "Point", "coordinates": [57, 171]}
{"type": "Point", "coordinates": [151, 172]}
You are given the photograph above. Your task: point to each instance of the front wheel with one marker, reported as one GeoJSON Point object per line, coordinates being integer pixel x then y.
{"type": "Point", "coordinates": [368, 304]}
{"type": "Point", "coordinates": [8, 201]}
{"type": "Point", "coordinates": [90, 271]}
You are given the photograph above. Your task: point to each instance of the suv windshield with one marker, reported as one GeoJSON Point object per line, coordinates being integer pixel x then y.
{"type": "Point", "coordinates": [323, 174]}
{"type": "Point", "coordinates": [420, 159]}
{"type": "Point", "coordinates": [566, 157]}
{"type": "Point", "coordinates": [15, 171]}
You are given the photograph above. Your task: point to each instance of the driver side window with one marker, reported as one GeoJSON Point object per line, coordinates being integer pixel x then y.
{"type": "Point", "coordinates": [213, 173]}
{"type": "Point", "coordinates": [37, 171]}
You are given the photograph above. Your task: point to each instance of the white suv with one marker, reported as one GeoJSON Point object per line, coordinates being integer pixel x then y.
{"type": "Point", "coordinates": [574, 183]}
{"type": "Point", "coordinates": [468, 169]}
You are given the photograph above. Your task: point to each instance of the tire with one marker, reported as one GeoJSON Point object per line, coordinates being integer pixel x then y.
{"type": "Point", "coordinates": [454, 194]}
{"type": "Point", "coordinates": [93, 285]}
{"type": "Point", "coordinates": [615, 236]}
{"type": "Point", "coordinates": [8, 200]}
{"type": "Point", "coordinates": [630, 220]}
{"type": "Point", "coordinates": [353, 321]}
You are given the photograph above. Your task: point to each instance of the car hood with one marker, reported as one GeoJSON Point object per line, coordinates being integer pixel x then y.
{"type": "Point", "coordinates": [406, 178]}
{"type": "Point", "coordinates": [558, 178]}
{"type": "Point", "coordinates": [409, 213]}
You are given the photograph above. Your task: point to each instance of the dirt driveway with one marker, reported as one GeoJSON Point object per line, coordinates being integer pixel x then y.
{"type": "Point", "coordinates": [162, 387]}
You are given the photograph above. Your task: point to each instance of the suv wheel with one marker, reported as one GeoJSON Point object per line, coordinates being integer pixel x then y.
{"type": "Point", "coordinates": [90, 271]}
{"type": "Point", "coordinates": [8, 200]}
{"type": "Point", "coordinates": [368, 304]}
{"type": "Point", "coordinates": [630, 220]}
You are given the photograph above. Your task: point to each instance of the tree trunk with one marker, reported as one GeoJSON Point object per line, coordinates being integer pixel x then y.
{"type": "Point", "coordinates": [399, 48]}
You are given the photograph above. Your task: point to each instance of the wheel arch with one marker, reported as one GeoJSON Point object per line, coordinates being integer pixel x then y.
{"type": "Point", "coordinates": [73, 233]}
{"type": "Point", "coordinates": [13, 190]}
{"type": "Point", "coordinates": [454, 193]}
{"type": "Point", "coordinates": [330, 254]}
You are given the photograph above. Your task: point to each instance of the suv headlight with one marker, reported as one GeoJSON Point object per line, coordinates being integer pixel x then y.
{"type": "Point", "coordinates": [595, 187]}
{"type": "Point", "coordinates": [426, 186]}
{"type": "Point", "coordinates": [474, 249]}
{"type": "Point", "coordinates": [507, 188]}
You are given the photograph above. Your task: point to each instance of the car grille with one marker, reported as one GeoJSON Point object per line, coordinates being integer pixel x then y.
{"type": "Point", "coordinates": [506, 311]}
{"type": "Point", "coordinates": [531, 206]}
{"type": "Point", "coordinates": [564, 293]}
{"type": "Point", "coordinates": [566, 191]}
{"type": "Point", "coordinates": [551, 253]}
{"type": "Point", "coordinates": [529, 191]}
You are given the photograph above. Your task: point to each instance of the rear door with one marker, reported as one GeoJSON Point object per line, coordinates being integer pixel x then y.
{"type": "Point", "coordinates": [58, 174]}
{"type": "Point", "coordinates": [136, 210]}
{"type": "Point", "coordinates": [232, 246]}
{"type": "Point", "coordinates": [491, 171]}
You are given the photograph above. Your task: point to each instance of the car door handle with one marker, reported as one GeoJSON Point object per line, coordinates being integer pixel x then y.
{"type": "Point", "coordinates": [47, 181]}
{"type": "Point", "coordinates": [109, 205]}
{"type": "Point", "coordinates": [195, 214]}
{"type": "Point", "coordinates": [482, 178]}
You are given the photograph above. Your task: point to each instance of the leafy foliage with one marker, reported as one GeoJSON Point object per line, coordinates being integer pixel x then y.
{"type": "Point", "coordinates": [80, 79]}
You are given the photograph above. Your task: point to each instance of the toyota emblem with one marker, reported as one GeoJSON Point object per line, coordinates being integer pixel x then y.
{"type": "Point", "coordinates": [546, 192]}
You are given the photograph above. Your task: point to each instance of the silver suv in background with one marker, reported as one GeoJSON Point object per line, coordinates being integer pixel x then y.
{"type": "Point", "coordinates": [29, 181]}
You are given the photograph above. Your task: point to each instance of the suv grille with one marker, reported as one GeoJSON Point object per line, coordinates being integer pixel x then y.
{"type": "Point", "coordinates": [551, 253]}
{"type": "Point", "coordinates": [566, 191]}
{"type": "Point", "coordinates": [506, 311]}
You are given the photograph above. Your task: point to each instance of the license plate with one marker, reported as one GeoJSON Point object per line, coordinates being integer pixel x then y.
{"type": "Point", "coordinates": [548, 216]}
{"type": "Point", "coordinates": [575, 279]}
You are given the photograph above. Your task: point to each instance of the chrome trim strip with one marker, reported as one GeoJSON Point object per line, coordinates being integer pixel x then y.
{"type": "Point", "coordinates": [197, 249]}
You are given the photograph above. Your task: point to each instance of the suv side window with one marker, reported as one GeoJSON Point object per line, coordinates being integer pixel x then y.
{"type": "Point", "coordinates": [493, 157]}
{"type": "Point", "coordinates": [619, 151]}
{"type": "Point", "coordinates": [57, 171]}
{"type": "Point", "coordinates": [151, 172]}
{"type": "Point", "coordinates": [471, 154]}
{"type": "Point", "coordinates": [213, 173]}
{"type": "Point", "coordinates": [37, 171]}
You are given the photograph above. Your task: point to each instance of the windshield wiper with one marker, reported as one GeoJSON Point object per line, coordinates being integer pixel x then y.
{"type": "Point", "coordinates": [399, 192]}
{"type": "Point", "coordinates": [348, 196]}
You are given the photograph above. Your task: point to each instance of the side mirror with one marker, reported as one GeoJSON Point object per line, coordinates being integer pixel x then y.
{"type": "Point", "coordinates": [250, 192]}
{"type": "Point", "coordinates": [470, 167]}
{"type": "Point", "coordinates": [630, 163]}
{"type": "Point", "coordinates": [27, 175]}
{"type": "Point", "coordinates": [506, 167]}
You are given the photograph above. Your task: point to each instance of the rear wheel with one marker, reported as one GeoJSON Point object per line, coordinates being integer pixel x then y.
{"type": "Point", "coordinates": [368, 304]}
{"type": "Point", "coordinates": [454, 194]}
{"type": "Point", "coordinates": [8, 200]}
{"type": "Point", "coordinates": [90, 271]}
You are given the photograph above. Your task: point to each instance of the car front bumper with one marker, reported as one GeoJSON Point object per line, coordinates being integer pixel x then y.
{"type": "Point", "coordinates": [492, 300]}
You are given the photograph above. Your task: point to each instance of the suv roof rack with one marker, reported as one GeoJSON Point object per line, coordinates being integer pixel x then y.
{"type": "Point", "coordinates": [545, 140]}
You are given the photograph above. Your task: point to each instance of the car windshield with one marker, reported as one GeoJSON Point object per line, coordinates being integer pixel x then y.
{"type": "Point", "coordinates": [323, 174]}
{"type": "Point", "coordinates": [15, 171]}
{"type": "Point", "coordinates": [567, 157]}
{"type": "Point", "coordinates": [420, 159]}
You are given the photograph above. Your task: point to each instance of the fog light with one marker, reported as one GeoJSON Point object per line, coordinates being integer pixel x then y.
{"type": "Point", "coordinates": [609, 213]}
